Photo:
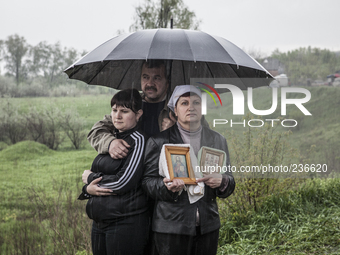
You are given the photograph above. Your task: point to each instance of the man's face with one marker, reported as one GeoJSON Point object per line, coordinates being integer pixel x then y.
{"type": "Point", "coordinates": [154, 83]}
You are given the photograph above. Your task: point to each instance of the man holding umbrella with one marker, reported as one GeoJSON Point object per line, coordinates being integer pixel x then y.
{"type": "Point", "coordinates": [156, 118]}
{"type": "Point", "coordinates": [189, 53]}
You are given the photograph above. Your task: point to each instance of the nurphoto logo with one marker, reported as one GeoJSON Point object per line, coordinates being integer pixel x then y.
{"type": "Point", "coordinates": [239, 102]}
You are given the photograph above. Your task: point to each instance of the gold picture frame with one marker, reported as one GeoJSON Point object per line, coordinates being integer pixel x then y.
{"type": "Point", "coordinates": [211, 158]}
{"type": "Point", "coordinates": [179, 164]}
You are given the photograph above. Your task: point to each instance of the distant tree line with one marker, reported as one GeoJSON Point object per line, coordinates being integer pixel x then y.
{"type": "Point", "coordinates": [44, 61]}
{"type": "Point", "coordinates": [43, 64]}
{"type": "Point", "coordinates": [309, 63]}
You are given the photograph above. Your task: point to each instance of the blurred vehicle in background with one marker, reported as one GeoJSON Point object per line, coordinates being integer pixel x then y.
{"type": "Point", "coordinates": [280, 81]}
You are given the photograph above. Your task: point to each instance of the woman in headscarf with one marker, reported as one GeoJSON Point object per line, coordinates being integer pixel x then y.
{"type": "Point", "coordinates": [179, 226]}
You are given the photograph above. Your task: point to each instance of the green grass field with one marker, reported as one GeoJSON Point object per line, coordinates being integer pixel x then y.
{"type": "Point", "coordinates": [39, 213]}
{"type": "Point", "coordinates": [305, 220]}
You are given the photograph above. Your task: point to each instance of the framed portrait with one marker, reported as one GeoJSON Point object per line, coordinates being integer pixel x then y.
{"type": "Point", "coordinates": [211, 158]}
{"type": "Point", "coordinates": [179, 164]}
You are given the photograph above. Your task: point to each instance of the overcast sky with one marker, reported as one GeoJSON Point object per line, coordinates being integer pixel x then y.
{"type": "Point", "coordinates": [260, 25]}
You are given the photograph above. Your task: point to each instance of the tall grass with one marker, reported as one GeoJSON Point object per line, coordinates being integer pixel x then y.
{"type": "Point", "coordinates": [303, 221]}
{"type": "Point", "coordinates": [39, 210]}
{"type": "Point", "coordinates": [49, 225]}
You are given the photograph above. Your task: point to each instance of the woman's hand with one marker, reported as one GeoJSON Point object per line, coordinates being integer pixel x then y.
{"type": "Point", "coordinates": [175, 185]}
{"type": "Point", "coordinates": [85, 175]}
{"type": "Point", "coordinates": [212, 180]}
{"type": "Point", "coordinates": [94, 190]}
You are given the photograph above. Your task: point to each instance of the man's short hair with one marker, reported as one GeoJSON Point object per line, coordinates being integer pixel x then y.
{"type": "Point", "coordinates": [158, 63]}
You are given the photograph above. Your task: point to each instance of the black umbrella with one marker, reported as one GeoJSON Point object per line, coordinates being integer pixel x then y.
{"type": "Point", "coordinates": [191, 54]}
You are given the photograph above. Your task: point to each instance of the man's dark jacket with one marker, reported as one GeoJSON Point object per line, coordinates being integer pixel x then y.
{"type": "Point", "coordinates": [173, 213]}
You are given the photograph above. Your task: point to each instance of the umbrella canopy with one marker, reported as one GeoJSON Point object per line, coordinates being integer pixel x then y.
{"type": "Point", "coordinates": [192, 54]}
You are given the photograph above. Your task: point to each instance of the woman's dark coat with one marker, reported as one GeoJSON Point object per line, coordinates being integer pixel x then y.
{"type": "Point", "coordinates": [172, 212]}
{"type": "Point", "coordinates": [123, 177]}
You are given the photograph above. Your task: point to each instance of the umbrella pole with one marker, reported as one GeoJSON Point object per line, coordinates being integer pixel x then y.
{"type": "Point", "coordinates": [169, 86]}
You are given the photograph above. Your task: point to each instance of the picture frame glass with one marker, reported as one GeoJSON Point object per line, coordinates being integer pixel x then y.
{"type": "Point", "coordinates": [179, 164]}
{"type": "Point", "coordinates": [210, 159]}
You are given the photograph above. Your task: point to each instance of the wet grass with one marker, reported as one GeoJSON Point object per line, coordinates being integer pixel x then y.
{"type": "Point", "coordinates": [303, 221]}
{"type": "Point", "coordinates": [39, 210]}
{"type": "Point", "coordinates": [39, 213]}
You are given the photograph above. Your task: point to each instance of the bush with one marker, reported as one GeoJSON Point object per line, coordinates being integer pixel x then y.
{"type": "Point", "coordinates": [33, 90]}
{"type": "Point", "coordinates": [8, 88]}
{"type": "Point", "coordinates": [12, 124]}
{"type": "Point", "coordinates": [47, 126]}
{"type": "Point", "coordinates": [52, 136]}
{"type": "Point", "coordinates": [13, 91]}
{"type": "Point", "coordinates": [73, 126]}
{"type": "Point", "coordinates": [44, 126]}
{"type": "Point", "coordinates": [255, 149]}
{"type": "Point", "coordinates": [65, 90]}
{"type": "Point", "coordinates": [5, 84]}
{"type": "Point", "coordinates": [35, 124]}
